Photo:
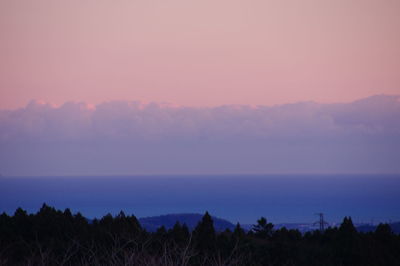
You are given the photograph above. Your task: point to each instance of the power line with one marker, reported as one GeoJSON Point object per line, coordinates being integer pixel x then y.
{"type": "Point", "coordinates": [321, 221]}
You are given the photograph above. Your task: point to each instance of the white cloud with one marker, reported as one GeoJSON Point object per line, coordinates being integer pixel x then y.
{"type": "Point", "coordinates": [132, 137]}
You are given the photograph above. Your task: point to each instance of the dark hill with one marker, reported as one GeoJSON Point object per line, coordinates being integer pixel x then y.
{"type": "Point", "coordinates": [371, 228]}
{"type": "Point", "coordinates": [190, 219]}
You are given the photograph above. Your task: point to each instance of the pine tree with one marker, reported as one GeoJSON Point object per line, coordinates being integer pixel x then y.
{"type": "Point", "coordinates": [205, 234]}
{"type": "Point", "coordinates": [263, 229]}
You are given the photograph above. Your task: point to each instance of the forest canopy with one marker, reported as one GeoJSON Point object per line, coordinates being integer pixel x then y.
{"type": "Point", "coordinates": [55, 237]}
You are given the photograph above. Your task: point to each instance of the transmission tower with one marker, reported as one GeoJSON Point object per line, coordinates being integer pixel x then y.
{"type": "Point", "coordinates": [321, 222]}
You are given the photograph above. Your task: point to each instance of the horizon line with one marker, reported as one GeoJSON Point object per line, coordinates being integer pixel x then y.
{"type": "Point", "coordinates": [180, 175]}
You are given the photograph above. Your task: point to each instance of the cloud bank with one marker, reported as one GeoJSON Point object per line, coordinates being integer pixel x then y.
{"type": "Point", "coordinates": [136, 138]}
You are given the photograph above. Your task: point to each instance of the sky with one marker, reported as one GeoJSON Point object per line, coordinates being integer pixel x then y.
{"type": "Point", "coordinates": [201, 87]}
{"type": "Point", "coordinates": [198, 53]}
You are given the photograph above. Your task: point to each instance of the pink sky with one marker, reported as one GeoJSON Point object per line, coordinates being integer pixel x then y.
{"type": "Point", "coordinates": [200, 52]}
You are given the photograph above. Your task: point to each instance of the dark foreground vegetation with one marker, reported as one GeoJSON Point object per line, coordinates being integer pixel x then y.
{"type": "Point", "coordinates": [53, 237]}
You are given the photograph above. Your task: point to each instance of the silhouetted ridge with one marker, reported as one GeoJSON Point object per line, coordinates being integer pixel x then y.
{"type": "Point", "coordinates": [190, 219]}
{"type": "Point", "coordinates": [365, 228]}
{"type": "Point", "coordinates": [55, 237]}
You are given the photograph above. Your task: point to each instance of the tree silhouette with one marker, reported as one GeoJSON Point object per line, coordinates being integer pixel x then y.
{"type": "Point", "coordinates": [347, 227]}
{"type": "Point", "coordinates": [205, 234]}
{"type": "Point", "coordinates": [53, 237]}
{"type": "Point", "coordinates": [238, 232]}
{"type": "Point", "coordinates": [179, 233]}
{"type": "Point", "coordinates": [263, 229]}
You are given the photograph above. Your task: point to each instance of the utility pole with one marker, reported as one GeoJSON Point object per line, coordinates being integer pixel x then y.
{"type": "Point", "coordinates": [321, 222]}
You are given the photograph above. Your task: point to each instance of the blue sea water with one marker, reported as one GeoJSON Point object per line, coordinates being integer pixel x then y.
{"type": "Point", "coordinates": [238, 198]}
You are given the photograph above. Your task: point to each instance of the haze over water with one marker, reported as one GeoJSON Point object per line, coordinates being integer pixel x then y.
{"type": "Point", "coordinates": [238, 198]}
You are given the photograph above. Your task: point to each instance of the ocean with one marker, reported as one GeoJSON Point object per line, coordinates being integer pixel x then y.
{"type": "Point", "coordinates": [237, 198]}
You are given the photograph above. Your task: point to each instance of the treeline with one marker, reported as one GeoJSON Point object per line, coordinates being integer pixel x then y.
{"type": "Point", "coordinates": [54, 237]}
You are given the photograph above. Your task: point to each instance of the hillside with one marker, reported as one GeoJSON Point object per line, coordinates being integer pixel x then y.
{"type": "Point", "coordinates": [190, 219]}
